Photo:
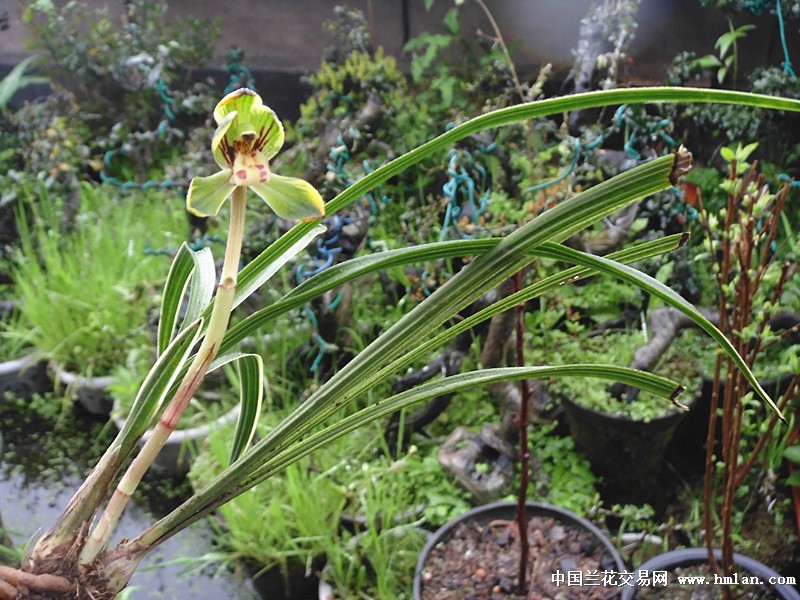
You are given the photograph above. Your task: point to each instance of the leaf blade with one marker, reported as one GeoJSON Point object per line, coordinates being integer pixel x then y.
{"type": "Point", "coordinates": [250, 369]}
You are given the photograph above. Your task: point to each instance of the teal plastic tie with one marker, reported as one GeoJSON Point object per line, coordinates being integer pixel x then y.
{"type": "Point", "coordinates": [787, 64]}
{"type": "Point", "coordinates": [576, 152]}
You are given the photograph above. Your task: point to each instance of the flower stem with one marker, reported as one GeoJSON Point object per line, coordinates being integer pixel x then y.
{"type": "Point", "coordinates": [217, 325]}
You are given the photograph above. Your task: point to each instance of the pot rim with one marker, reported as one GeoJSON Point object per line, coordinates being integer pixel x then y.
{"type": "Point", "coordinates": [15, 365]}
{"type": "Point", "coordinates": [690, 556]}
{"type": "Point", "coordinates": [675, 415]}
{"type": "Point", "coordinates": [71, 379]}
{"type": "Point", "coordinates": [535, 508]}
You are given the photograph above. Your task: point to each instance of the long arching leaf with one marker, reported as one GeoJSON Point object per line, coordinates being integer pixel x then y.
{"type": "Point", "coordinates": [655, 384]}
{"type": "Point", "coordinates": [209, 497]}
{"type": "Point", "coordinates": [658, 289]}
{"type": "Point", "coordinates": [510, 255]}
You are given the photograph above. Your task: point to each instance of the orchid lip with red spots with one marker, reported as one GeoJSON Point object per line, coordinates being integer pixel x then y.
{"type": "Point", "coordinates": [248, 135]}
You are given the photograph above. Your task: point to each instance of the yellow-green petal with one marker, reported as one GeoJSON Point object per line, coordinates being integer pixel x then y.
{"type": "Point", "coordinates": [252, 119]}
{"type": "Point", "coordinates": [207, 194]}
{"type": "Point", "coordinates": [217, 147]}
{"type": "Point", "coordinates": [241, 99]}
{"type": "Point", "coordinates": [291, 198]}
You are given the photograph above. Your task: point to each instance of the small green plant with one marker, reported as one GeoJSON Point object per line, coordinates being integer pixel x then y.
{"type": "Point", "coordinates": [135, 61]}
{"type": "Point", "coordinates": [13, 337]}
{"type": "Point", "coordinates": [444, 85]}
{"type": "Point", "coordinates": [362, 525]}
{"type": "Point", "coordinates": [562, 476]}
{"type": "Point", "coordinates": [16, 80]}
{"type": "Point", "coordinates": [723, 62]}
{"type": "Point", "coordinates": [75, 557]}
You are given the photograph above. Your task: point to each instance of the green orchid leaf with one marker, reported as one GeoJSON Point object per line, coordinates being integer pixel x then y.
{"type": "Point", "coordinates": [207, 194]}
{"type": "Point", "coordinates": [270, 263]}
{"type": "Point", "coordinates": [510, 255]}
{"type": "Point", "coordinates": [251, 382]}
{"type": "Point", "coordinates": [204, 281]}
{"type": "Point", "coordinates": [658, 289]}
{"type": "Point", "coordinates": [352, 269]}
{"type": "Point", "coordinates": [291, 198]}
{"type": "Point", "coordinates": [627, 255]}
{"type": "Point", "coordinates": [347, 383]}
{"type": "Point", "coordinates": [174, 288]}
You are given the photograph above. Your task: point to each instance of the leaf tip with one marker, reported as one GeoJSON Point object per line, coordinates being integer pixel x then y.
{"type": "Point", "coordinates": [674, 398]}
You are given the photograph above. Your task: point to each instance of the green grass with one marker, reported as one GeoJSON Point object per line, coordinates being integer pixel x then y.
{"type": "Point", "coordinates": [85, 296]}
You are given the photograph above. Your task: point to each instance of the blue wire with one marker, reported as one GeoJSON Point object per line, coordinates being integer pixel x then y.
{"type": "Point", "coordinates": [573, 163]}
{"type": "Point", "coordinates": [335, 302]}
{"type": "Point", "coordinates": [787, 64]}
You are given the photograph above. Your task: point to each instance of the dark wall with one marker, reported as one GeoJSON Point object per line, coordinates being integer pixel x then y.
{"type": "Point", "coordinates": [286, 36]}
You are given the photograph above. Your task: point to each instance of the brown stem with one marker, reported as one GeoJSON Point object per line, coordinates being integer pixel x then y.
{"type": "Point", "coordinates": [708, 479]}
{"type": "Point", "coordinates": [524, 450]}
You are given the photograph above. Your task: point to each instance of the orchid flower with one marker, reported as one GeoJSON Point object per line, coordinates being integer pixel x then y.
{"type": "Point", "coordinates": [248, 135]}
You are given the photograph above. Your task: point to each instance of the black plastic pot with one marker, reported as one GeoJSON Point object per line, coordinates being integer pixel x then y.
{"type": "Point", "coordinates": [626, 453]}
{"type": "Point", "coordinates": [745, 566]}
{"type": "Point", "coordinates": [294, 583]}
{"type": "Point", "coordinates": [507, 511]}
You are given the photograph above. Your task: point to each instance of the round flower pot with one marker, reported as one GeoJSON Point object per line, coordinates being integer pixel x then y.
{"type": "Point", "coordinates": [178, 451]}
{"type": "Point", "coordinates": [774, 586]}
{"type": "Point", "coordinates": [628, 454]}
{"type": "Point", "coordinates": [24, 377]}
{"type": "Point", "coordinates": [90, 392]}
{"type": "Point", "coordinates": [478, 553]}
{"type": "Point", "coordinates": [295, 582]}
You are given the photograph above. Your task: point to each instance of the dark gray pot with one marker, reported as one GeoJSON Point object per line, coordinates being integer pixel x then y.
{"type": "Point", "coordinates": [698, 556]}
{"type": "Point", "coordinates": [508, 511]}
